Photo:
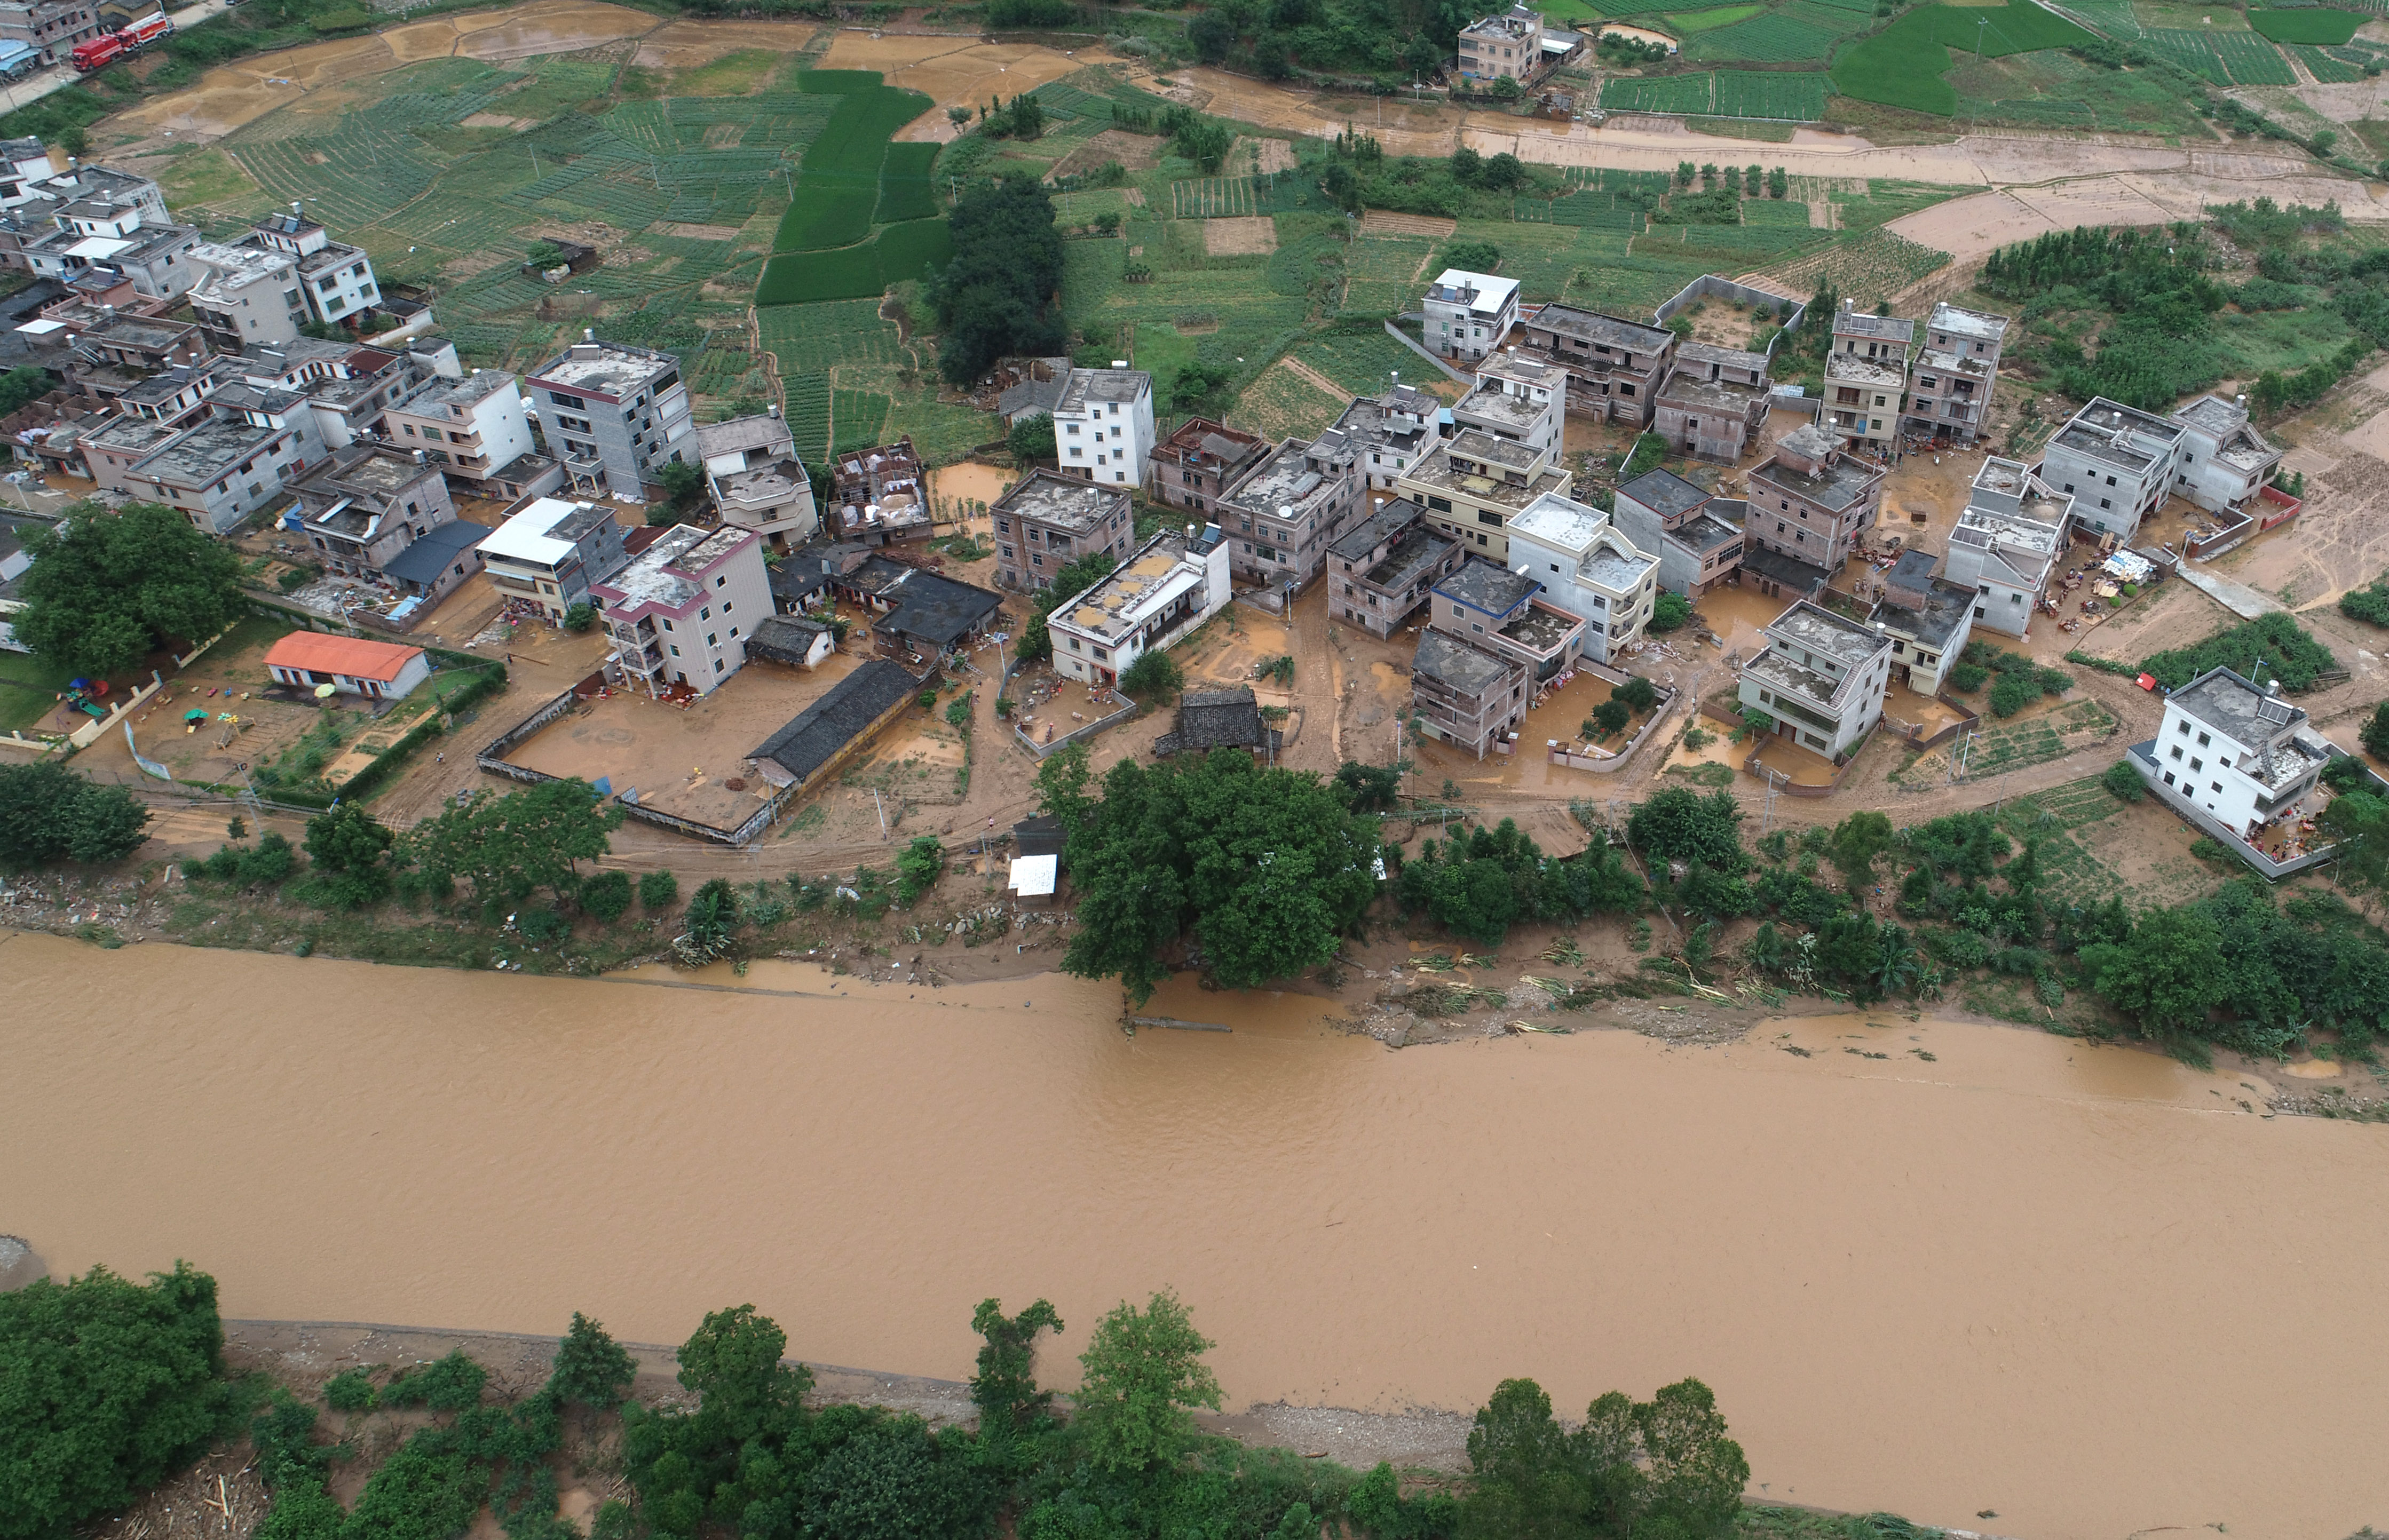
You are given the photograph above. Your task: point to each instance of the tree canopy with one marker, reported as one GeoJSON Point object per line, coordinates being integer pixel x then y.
{"type": "Point", "coordinates": [1477, 885]}
{"type": "Point", "coordinates": [49, 813]}
{"type": "Point", "coordinates": [1144, 1374]}
{"type": "Point", "coordinates": [1661, 1468]}
{"type": "Point", "coordinates": [1267, 868]}
{"type": "Point", "coordinates": [1680, 824]}
{"type": "Point", "coordinates": [508, 846]}
{"type": "Point", "coordinates": [1078, 575]}
{"type": "Point", "coordinates": [992, 300]}
{"type": "Point", "coordinates": [106, 1386]}
{"type": "Point", "coordinates": [107, 586]}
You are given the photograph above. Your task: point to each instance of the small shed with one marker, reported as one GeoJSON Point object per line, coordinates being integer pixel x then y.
{"type": "Point", "coordinates": [1034, 878]}
{"type": "Point", "coordinates": [1041, 835]}
{"type": "Point", "coordinates": [1219, 718]}
{"type": "Point", "coordinates": [354, 665]}
{"type": "Point", "coordinates": [798, 641]}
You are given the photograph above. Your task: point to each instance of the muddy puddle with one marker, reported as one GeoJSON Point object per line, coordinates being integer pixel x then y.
{"type": "Point", "coordinates": [1928, 1267]}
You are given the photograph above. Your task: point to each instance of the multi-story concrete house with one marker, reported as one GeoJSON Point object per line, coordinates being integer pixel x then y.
{"type": "Point", "coordinates": [2116, 462]}
{"type": "Point", "coordinates": [223, 468]}
{"type": "Point", "coordinates": [113, 351]}
{"type": "Point", "coordinates": [1819, 678]}
{"type": "Point", "coordinates": [336, 280]}
{"type": "Point", "coordinates": [1167, 587]}
{"type": "Point", "coordinates": [1878, 338]}
{"type": "Point", "coordinates": [1949, 388]}
{"type": "Point", "coordinates": [2006, 542]}
{"type": "Point", "coordinates": [550, 553]}
{"type": "Point", "coordinates": [1713, 402]}
{"type": "Point", "coordinates": [614, 413]}
{"type": "Point", "coordinates": [1390, 434]}
{"type": "Point", "coordinates": [1677, 523]}
{"type": "Point", "coordinates": [756, 479]}
{"type": "Point", "coordinates": [680, 611]}
{"type": "Point", "coordinates": [1103, 427]}
{"type": "Point", "coordinates": [1282, 517]}
{"type": "Point", "coordinates": [1468, 314]}
{"type": "Point", "coordinates": [361, 506]}
{"type": "Point", "coordinates": [1046, 521]}
{"type": "Point", "coordinates": [23, 163]}
{"type": "Point", "coordinates": [176, 392]}
{"type": "Point", "coordinates": [1615, 367]}
{"type": "Point", "coordinates": [1379, 572]}
{"type": "Point", "coordinates": [1864, 398]}
{"type": "Point", "coordinates": [286, 274]}
{"type": "Point", "coordinates": [474, 427]}
{"type": "Point", "coordinates": [1531, 416]}
{"type": "Point", "coordinates": [1193, 466]}
{"type": "Point", "coordinates": [881, 494]}
{"type": "Point", "coordinates": [1588, 567]}
{"type": "Point", "coordinates": [1535, 381]}
{"type": "Point", "coordinates": [1473, 483]}
{"type": "Point", "coordinates": [1927, 618]}
{"type": "Point", "coordinates": [1463, 694]}
{"type": "Point", "coordinates": [91, 219]}
{"type": "Point", "coordinates": [1810, 501]}
{"type": "Point", "coordinates": [2231, 756]}
{"type": "Point", "coordinates": [1505, 612]}
{"type": "Point", "coordinates": [51, 28]}
{"type": "Point", "coordinates": [2224, 460]}
{"type": "Point", "coordinates": [349, 387]}
{"type": "Point", "coordinates": [1505, 46]}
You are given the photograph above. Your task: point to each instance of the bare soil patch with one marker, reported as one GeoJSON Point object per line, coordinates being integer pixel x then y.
{"type": "Point", "coordinates": [1242, 236]}
{"type": "Point", "coordinates": [1136, 152]}
{"type": "Point", "coordinates": [551, 27]}
{"type": "Point", "coordinates": [702, 232]}
{"type": "Point", "coordinates": [1723, 324]}
{"type": "Point", "coordinates": [1276, 155]}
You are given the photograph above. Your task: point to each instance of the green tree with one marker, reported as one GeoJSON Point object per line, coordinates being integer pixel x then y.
{"type": "Point", "coordinates": [1680, 824]}
{"type": "Point", "coordinates": [1669, 612]}
{"type": "Point", "coordinates": [606, 897]}
{"type": "Point", "coordinates": [106, 1386]}
{"type": "Point", "coordinates": [1032, 438]}
{"type": "Point", "coordinates": [107, 587]}
{"type": "Point", "coordinates": [2125, 782]}
{"type": "Point", "coordinates": [510, 845]}
{"type": "Point", "coordinates": [1473, 256]}
{"type": "Point", "coordinates": [351, 849]}
{"type": "Point", "coordinates": [2164, 977]}
{"type": "Point", "coordinates": [1611, 716]}
{"type": "Point", "coordinates": [1856, 841]}
{"type": "Point", "coordinates": [580, 617]}
{"type": "Point", "coordinates": [49, 813]}
{"type": "Point", "coordinates": [1005, 1386]}
{"type": "Point", "coordinates": [683, 483]}
{"type": "Point", "coordinates": [658, 890]}
{"type": "Point", "coordinates": [918, 866]}
{"type": "Point", "coordinates": [2374, 735]}
{"type": "Point", "coordinates": [712, 919]}
{"type": "Point", "coordinates": [1693, 1473]}
{"type": "Point", "coordinates": [1662, 1469]}
{"type": "Point", "coordinates": [1143, 1375]}
{"type": "Point", "coordinates": [894, 1480]}
{"type": "Point", "coordinates": [1638, 693]}
{"type": "Point", "coordinates": [591, 1368]}
{"type": "Point", "coordinates": [21, 387]}
{"type": "Point", "coordinates": [994, 298]}
{"type": "Point", "coordinates": [1369, 788]}
{"type": "Point", "coordinates": [1154, 675]}
{"type": "Point", "coordinates": [2358, 821]}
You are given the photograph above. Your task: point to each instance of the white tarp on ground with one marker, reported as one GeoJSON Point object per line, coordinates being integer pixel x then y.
{"type": "Point", "coordinates": [2131, 569]}
{"type": "Point", "coordinates": [1033, 876]}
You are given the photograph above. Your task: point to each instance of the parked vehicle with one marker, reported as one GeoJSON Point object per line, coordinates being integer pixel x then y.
{"type": "Point", "coordinates": [107, 47]}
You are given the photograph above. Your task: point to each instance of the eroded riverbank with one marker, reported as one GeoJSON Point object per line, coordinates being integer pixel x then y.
{"type": "Point", "coordinates": [1986, 1269]}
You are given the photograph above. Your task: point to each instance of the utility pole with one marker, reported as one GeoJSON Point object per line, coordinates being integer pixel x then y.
{"type": "Point", "coordinates": [883, 814]}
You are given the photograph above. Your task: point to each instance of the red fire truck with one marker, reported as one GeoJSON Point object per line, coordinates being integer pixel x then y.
{"type": "Point", "coordinates": [107, 47]}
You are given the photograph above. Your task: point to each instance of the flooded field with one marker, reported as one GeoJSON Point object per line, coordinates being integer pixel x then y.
{"type": "Point", "coordinates": [1928, 1267]}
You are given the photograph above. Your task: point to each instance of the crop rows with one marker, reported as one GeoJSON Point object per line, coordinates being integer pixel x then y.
{"type": "Point", "coordinates": [838, 186]}
{"type": "Point", "coordinates": [821, 336]}
{"type": "Point", "coordinates": [1770, 210]}
{"type": "Point", "coordinates": [1360, 362]}
{"type": "Point", "coordinates": [1874, 266]}
{"type": "Point", "coordinates": [2323, 67]}
{"type": "Point", "coordinates": [1797, 97]}
{"type": "Point", "coordinates": [1213, 198]}
{"type": "Point", "coordinates": [858, 420]}
{"type": "Point", "coordinates": [807, 411]}
{"type": "Point", "coordinates": [364, 174]}
{"type": "Point", "coordinates": [2188, 49]}
{"type": "Point", "coordinates": [2252, 60]}
{"type": "Point", "coordinates": [1666, 94]}
{"type": "Point", "coordinates": [1840, 20]}
{"type": "Point", "coordinates": [2112, 17]}
{"type": "Point", "coordinates": [1771, 39]}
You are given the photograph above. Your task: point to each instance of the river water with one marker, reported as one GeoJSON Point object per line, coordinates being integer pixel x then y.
{"type": "Point", "coordinates": [2080, 1287]}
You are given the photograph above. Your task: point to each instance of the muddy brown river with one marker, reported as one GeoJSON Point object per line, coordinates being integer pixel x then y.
{"type": "Point", "coordinates": [2083, 1288]}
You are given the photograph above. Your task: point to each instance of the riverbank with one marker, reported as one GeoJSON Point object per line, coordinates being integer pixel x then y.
{"type": "Point", "coordinates": [1931, 1267]}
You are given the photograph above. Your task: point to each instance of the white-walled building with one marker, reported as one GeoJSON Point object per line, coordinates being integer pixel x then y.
{"type": "Point", "coordinates": [1167, 586]}
{"type": "Point", "coordinates": [353, 665]}
{"type": "Point", "coordinates": [552, 552]}
{"type": "Point", "coordinates": [286, 274]}
{"type": "Point", "coordinates": [756, 479]}
{"type": "Point", "coordinates": [1103, 428]}
{"type": "Point", "coordinates": [1522, 399]}
{"type": "Point", "coordinates": [2007, 539]}
{"type": "Point", "coordinates": [2224, 460]}
{"type": "Point", "coordinates": [2236, 753]}
{"type": "Point", "coordinates": [1821, 679]}
{"type": "Point", "coordinates": [474, 426]}
{"type": "Point", "coordinates": [1468, 314]}
{"type": "Point", "coordinates": [1588, 567]}
{"type": "Point", "coordinates": [680, 611]}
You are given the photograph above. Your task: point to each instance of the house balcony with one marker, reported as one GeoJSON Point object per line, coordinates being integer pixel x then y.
{"type": "Point", "coordinates": [1541, 637]}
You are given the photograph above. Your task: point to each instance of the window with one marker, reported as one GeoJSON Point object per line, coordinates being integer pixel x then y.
{"type": "Point", "coordinates": [2198, 764]}
{"type": "Point", "coordinates": [2177, 753]}
{"type": "Point", "coordinates": [2214, 786]}
{"type": "Point", "coordinates": [676, 651]}
{"type": "Point", "coordinates": [713, 639]}
{"type": "Point", "coordinates": [2203, 740]}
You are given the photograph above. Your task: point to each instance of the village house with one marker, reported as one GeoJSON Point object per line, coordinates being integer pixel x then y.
{"type": "Point", "coordinates": [1670, 519]}
{"type": "Point", "coordinates": [1468, 314]}
{"type": "Point", "coordinates": [1530, 417]}
{"type": "Point", "coordinates": [2006, 544]}
{"type": "Point", "coordinates": [363, 507]}
{"type": "Point", "coordinates": [1508, 45]}
{"type": "Point", "coordinates": [353, 664]}
{"type": "Point", "coordinates": [222, 468]}
{"type": "Point", "coordinates": [2117, 462]}
{"type": "Point", "coordinates": [1713, 402]}
{"type": "Point", "coordinates": [1168, 586]}
{"type": "Point", "coordinates": [798, 641]}
{"type": "Point", "coordinates": [831, 731]}
{"type": "Point", "coordinates": [678, 611]}
{"type": "Point", "coordinates": [1927, 618]}
{"type": "Point", "coordinates": [1464, 695]}
{"type": "Point", "coordinates": [881, 494]}
{"type": "Point", "coordinates": [1615, 367]}
{"type": "Point", "coordinates": [613, 413]}
{"type": "Point", "coordinates": [1472, 483]}
{"type": "Point", "coordinates": [1197, 463]}
{"type": "Point", "coordinates": [1045, 521]}
{"type": "Point", "coordinates": [1951, 385]}
{"type": "Point", "coordinates": [1389, 434]}
{"type": "Point", "coordinates": [1282, 517]}
{"type": "Point", "coordinates": [1878, 338]}
{"type": "Point", "coordinates": [1820, 679]}
{"type": "Point", "coordinates": [550, 553]}
{"type": "Point", "coordinates": [1379, 572]}
{"type": "Point", "coordinates": [756, 481]}
{"type": "Point", "coordinates": [918, 616]}
{"type": "Point", "coordinates": [1490, 607]}
{"type": "Point", "coordinates": [1103, 427]}
{"type": "Point", "coordinates": [2233, 756]}
{"type": "Point", "coordinates": [1863, 398]}
{"type": "Point", "coordinates": [2224, 460]}
{"type": "Point", "coordinates": [1590, 567]}
{"type": "Point", "coordinates": [1219, 718]}
{"type": "Point", "coordinates": [474, 428]}
{"type": "Point", "coordinates": [1810, 501]}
